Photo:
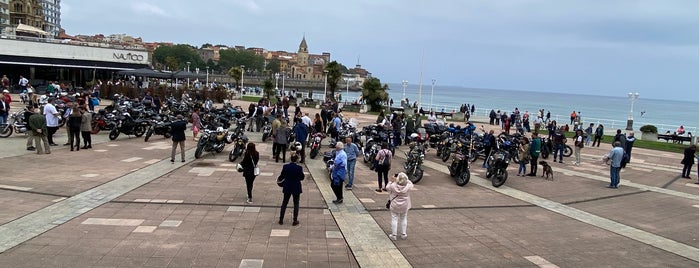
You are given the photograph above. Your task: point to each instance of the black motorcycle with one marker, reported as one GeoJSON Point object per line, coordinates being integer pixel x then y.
{"type": "Point", "coordinates": [239, 139]}
{"type": "Point", "coordinates": [413, 163]}
{"type": "Point", "coordinates": [129, 126]}
{"type": "Point", "coordinates": [547, 148]}
{"type": "Point", "coordinates": [267, 127]}
{"type": "Point", "coordinates": [159, 126]}
{"type": "Point", "coordinates": [460, 166]}
{"type": "Point", "coordinates": [329, 159]}
{"type": "Point", "coordinates": [497, 167]}
{"type": "Point", "coordinates": [211, 141]}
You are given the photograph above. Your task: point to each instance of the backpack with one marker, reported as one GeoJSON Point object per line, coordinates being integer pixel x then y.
{"type": "Point", "coordinates": [386, 160]}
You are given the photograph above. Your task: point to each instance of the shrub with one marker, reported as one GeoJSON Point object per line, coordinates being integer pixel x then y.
{"type": "Point", "coordinates": [649, 129]}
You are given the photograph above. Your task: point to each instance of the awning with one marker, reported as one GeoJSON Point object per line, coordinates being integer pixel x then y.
{"type": "Point", "coordinates": [145, 72]}
{"type": "Point", "coordinates": [30, 29]}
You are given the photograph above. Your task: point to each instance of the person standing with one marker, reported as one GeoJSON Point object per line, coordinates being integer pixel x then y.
{"type": "Point", "coordinates": [599, 132]}
{"type": "Point", "coordinates": [177, 130]}
{"type": "Point", "coordinates": [292, 174]}
{"type": "Point", "coordinates": [559, 145]}
{"type": "Point", "coordinates": [276, 124]}
{"type": "Point", "coordinates": [399, 193]}
{"type": "Point", "coordinates": [281, 139]}
{"type": "Point", "coordinates": [86, 128]}
{"type": "Point", "coordinates": [301, 136]}
{"type": "Point", "coordinates": [74, 121]}
{"type": "Point", "coordinates": [579, 144]}
{"type": "Point", "coordinates": [4, 109]}
{"type": "Point", "coordinates": [250, 160]}
{"type": "Point", "coordinates": [51, 116]}
{"type": "Point", "coordinates": [534, 151]}
{"type": "Point", "coordinates": [196, 123]}
{"type": "Point", "coordinates": [28, 112]}
{"type": "Point", "coordinates": [23, 83]}
{"type": "Point", "coordinates": [383, 165]}
{"type": "Point", "coordinates": [489, 144]}
{"type": "Point", "coordinates": [616, 155]}
{"type": "Point", "coordinates": [588, 134]}
{"type": "Point", "coordinates": [523, 157]}
{"type": "Point", "coordinates": [688, 160]}
{"type": "Point", "coordinates": [352, 152]}
{"type": "Point", "coordinates": [628, 146]}
{"type": "Point", "coordinates": [37, 124]}
{"type": "Point", "coordinates": [339, 171]}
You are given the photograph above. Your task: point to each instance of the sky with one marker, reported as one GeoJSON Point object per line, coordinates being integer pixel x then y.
{"type": "Point", "coordinates": [596, 47]}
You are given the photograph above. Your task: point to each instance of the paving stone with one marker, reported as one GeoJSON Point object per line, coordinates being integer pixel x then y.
{"type": "Point", "coordinates": [115, 222]}
{"type": "Point", "coordinates": [235, 209]}
{"type": "Point", "coordinates": [132, 159]}
{"type": "Point", "coordinates": [251, 263]}
{"type": "Point", "coordinates": [170, 223]}
{"type": "Point", "coordinates": [145, 229]}
{"type": "Point", "coordinates": [333, 234]}
{"type": "Point", "coordinates": [280, 232]}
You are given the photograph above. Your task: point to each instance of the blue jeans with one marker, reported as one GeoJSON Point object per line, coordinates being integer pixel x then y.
{"type": "Point", "coordinates": [350, 172]}
{"type": "Point", "coordinates": [558, 150]}
{"type": "Point", "coordinates": [614, 175]}
{"type": "Point", "coordinates": [522, 167]}
{"type": "Point", "coordinates": [589, 138]}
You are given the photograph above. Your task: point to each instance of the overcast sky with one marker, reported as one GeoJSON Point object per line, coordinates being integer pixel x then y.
{"type": "Point", "coordinates": [598, 47]}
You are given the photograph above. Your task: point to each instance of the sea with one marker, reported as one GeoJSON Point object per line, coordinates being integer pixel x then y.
{"type": "Point", "coordinates": [612, 112]}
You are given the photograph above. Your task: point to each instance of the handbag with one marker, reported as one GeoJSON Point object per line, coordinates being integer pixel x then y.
{"type": "Point", "coordinates": [256, 170]}
{"type": "Point", "coordinates": [388, 203]}
{"type": "Point", "coordinates": [239, 167]}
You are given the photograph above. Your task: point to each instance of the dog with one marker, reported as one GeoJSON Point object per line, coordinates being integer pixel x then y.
{"type": "Point", "coordinates": [548, 171]}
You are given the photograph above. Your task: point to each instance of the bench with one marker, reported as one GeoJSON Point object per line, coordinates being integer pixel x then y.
{"type": "Point", "coordinates": [674, 138]}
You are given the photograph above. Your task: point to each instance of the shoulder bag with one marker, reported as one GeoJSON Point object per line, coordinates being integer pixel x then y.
{"type": "Point", "coordinates": [388, 203]}
{"type": "Point", "coordinates": [256, 170]}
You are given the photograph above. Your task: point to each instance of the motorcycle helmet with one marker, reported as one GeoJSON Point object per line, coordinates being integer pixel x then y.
{"type": "Point", "coordinates": [414, 136]}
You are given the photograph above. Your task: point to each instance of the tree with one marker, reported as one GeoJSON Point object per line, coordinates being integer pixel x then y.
{"type": "Point", "coordinates": [206, 45]}
{"type": "Point", "coordinates": [334, 77]}
{"type": "Point", "coordinates": [232, 58]}
{"type": "Point", "coordinates": [269, 88]}
{"type": "Point", "coordinates": [236, 74]}
{"type": "Point", "coordinates": [273, 65]}
{"type": "Point", "coordinates": [374, 94]}
{"type": "Point", "coordinates": [181, 54]}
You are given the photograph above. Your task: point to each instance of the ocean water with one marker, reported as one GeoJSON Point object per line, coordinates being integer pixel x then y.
{"type": "Point", "coordinates": [612, 112]}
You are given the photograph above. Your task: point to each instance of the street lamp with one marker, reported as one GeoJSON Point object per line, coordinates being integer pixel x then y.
{"type": "Point", "coordinates": [283, 76]}
{"type": "Point", "coordinates": [432, 95]}
{"type": "Point", "coordinates": [325, 84]}
{"type": "Point", "coordinates": [242, 76]}
{"type": "Point", "coordinates": [276, 81]}
{"type": "Point", "coordinates": [188, 63]}
{"type": "Point", "coordinates": [207, 76]}
{"type": "Point", "coordinates": [197, 81]}
{"type": "Point", "coordinates": [405, 84]}
{"type": "Point", "coordinates": [633, 97]}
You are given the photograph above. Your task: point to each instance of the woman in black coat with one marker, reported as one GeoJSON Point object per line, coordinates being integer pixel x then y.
{"type": "Point", "coordinates": [688, 160]}
{"type": "Point", "coordinates": [250, 160]}
{"type": "Point", "coordinates": [292, 175]}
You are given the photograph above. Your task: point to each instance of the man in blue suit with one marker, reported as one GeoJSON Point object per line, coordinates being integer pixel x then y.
{"type": "Point", "coordinates": [292, 175]}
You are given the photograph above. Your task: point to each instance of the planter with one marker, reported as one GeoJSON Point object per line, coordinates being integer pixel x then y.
{"type": "Point", "coordinates": [649, 136]}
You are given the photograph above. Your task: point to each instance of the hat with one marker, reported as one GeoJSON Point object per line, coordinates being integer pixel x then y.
{"type": "Point", "coordinates": [5, 91]}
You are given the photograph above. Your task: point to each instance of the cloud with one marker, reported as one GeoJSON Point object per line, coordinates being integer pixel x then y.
{"type": "Point", "coordinates": [148, 9]}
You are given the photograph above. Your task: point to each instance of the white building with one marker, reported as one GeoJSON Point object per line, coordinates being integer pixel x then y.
{"type": "Point", "coordinates": [4, 15]}
{"type": "Point", "coordinates": [52, 16]}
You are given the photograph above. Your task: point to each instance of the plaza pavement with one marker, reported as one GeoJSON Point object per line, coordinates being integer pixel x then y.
{"type": "Point", "coordinates": [123, 204]}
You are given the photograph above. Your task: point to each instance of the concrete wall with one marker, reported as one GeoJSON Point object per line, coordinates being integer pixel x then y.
{"type": "Point", "coordinates": [74, 52]}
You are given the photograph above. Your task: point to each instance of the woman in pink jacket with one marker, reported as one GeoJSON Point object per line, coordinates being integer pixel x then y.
{"type": "Point", "coordinates": [399, 193]}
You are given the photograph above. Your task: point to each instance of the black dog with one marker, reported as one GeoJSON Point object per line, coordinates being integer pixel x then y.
{"type": "Point", "coordinates": [548, 171]}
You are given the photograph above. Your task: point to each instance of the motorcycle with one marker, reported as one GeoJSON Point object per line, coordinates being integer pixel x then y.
{"type": "Point", "coordinates": [267, 128]}
{"type": "Point", "coordinates": [315, 144]}
{"type": "Point", "coordinates": [329, 159]}
{"type": "Point", "coordinates": [129, 126]}
{"type": "Point", "coordinates": [211, 141]}
{"type": "Point", "coordinates": [547, 148]}
{"type": "Point", "coordinates": [15, 123]}
{"type": "Point", "coordinates": [413, 163]}
{"type": "Point", "coordinates": [497, 167]}
{"type": "Point", "coordinates": [460, 166]}
{"type": "Point", "coordinates": [239, 139]}
{"type": "Point", "coordinates": [159, 127]}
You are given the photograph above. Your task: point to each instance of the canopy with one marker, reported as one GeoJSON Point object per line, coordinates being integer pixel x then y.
{"type": "Point", "coordinates": [186, 74]}
{"type": "Point", "coordinates": [145, 72]}
{"type": "Point", "coordinates": [30, 29]}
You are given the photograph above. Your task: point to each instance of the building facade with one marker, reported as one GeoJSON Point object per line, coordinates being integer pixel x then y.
{"type": "Point", "coordinates": [4, 15]}
{"type": "Point", "coordinates": [308, 66]}
{"type": "Point", "coordinates": [28, 12]}
{"type": "Point", "coordinates": [52, 17]}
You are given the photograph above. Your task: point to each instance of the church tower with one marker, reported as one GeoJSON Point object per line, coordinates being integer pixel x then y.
{"type": "Point", "coordinates": [302, 60]}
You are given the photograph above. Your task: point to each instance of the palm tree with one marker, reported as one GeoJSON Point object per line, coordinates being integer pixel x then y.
{"type": "Point", "coordinates": [236, 73]}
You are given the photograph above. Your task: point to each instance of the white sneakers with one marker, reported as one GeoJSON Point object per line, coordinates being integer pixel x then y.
{"type": "Point", "coordinates": [394, 238]}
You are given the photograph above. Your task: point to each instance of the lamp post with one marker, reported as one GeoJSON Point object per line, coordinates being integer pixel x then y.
{"type": "Point", "coordinates": [405, 84]}
{"type": "Point", "coordinates": [207, 76]}
{"type": "Point", "coordinates": [283, 76]}
{"type": "Point", "coordinates": [325, 84]}
{"type": "Point", "coordinates": [188, 63]}
{"type": "Point", "coordinates": [633, 97]}
{"type": "Point", "coordinates": [197, 80]}
{"type": "Point", "coordinates": [276, 82]}
{"type": "Point", "coordinates": [432, 94]}
{"type": "Point", "coordinates": [242, 76]}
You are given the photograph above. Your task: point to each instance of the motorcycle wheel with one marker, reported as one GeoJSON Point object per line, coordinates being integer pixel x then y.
{"type": "Point", "coordinates": [138, 131]}
{"type": "Point", "coordinates": [473, 156]}
{"type": "Point", "coordinates": [114, 134]}
{"type": "Point", "coordinates": [515, 157]}
{"type": "Point", "coordinates": [5, 130]}
{"type": "Point", "coordinates": [567, 152]}
{"type": "Point", "coordinates": [95, 128]}
{"type": "Point", "coordinates": [452, 170]}
{"type": "Point", "coordinates": [488, 174]}
{"type": "Point", "coordinates": [445, 156]}
{"type": "Point", "coordinates": [234, 154]}
{"type": "Point", "coordinates": [500, 178]}
{"type": "Point", "coordinates": [148, 134]}
{"type": "Point", "coordinates": [463, 178]}
{"type": "Point", "coordinates": [264, 137]}
{"type": "Point", "coordinates": [416, 175]}
{"type": "Point", "coordinates": [314, 153]}
{"type": "Point", "coordinates": [544, 154]}
{"type": "Point", "coordinates": [199, 151]}
{"type": "Point", "coordinates": [220, 149]}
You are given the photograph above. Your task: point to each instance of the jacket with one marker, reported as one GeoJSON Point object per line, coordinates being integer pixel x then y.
{"type": "Point", "coordinates": [524, 152]}
{"type": "Point", "coordinates": [249, 163]}
{"type": "Point", "coordinates": [293, 175]}
{"type": "Point", "coordinates": [74, 122]}
{"type": "Point", "coordinates": [282, 134]}
{"type": "Point", "coordinates": [400, 196]}
{"type": "Point", "coordinates": [177, 129]}
{"type": "Point", "coordinates": [535, 147]}
{"type": "Point", "coordinates": [688, 156]}
{"type": "Point", "coordinates": [301, 132]}
{"type": "Point", "coordinates": [86, 123]}
{"type": "Point", "coordinates": [38, 121]}
{"type": "Point", "coordinates": [340, 167]}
